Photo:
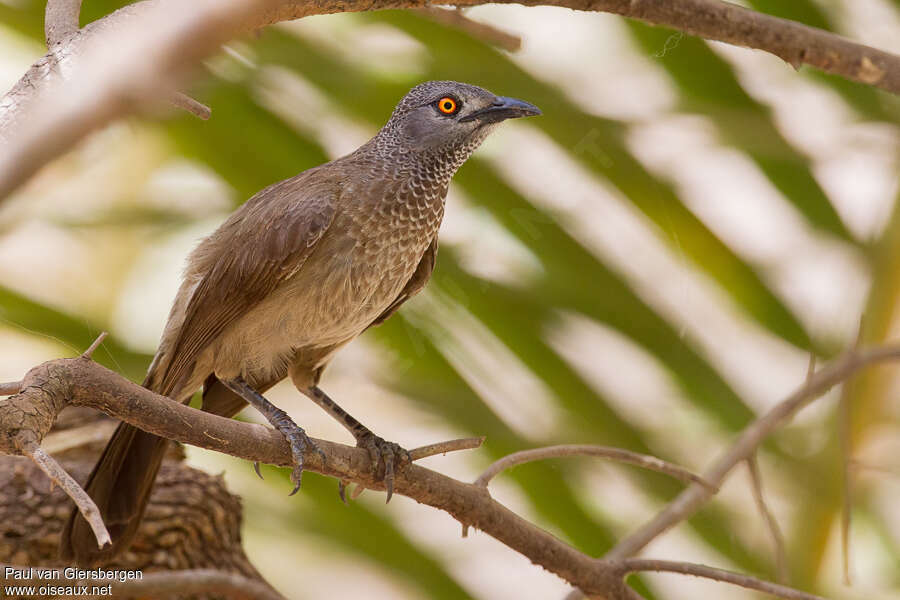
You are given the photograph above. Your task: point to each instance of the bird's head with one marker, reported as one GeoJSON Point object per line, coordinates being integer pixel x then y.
{"type": "Point", "coordinates": [450, 116]}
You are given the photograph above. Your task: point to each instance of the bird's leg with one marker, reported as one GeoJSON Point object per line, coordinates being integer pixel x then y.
{"type": "Point", "coordinates": [380, 450]}
{"type": "Point", "coordinates": [294, 434]}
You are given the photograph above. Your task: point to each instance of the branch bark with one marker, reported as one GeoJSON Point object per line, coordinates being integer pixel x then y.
{"type": "Point", "coordinates": [82, 382]}
{"type": "Point", "coordinates": [49, 387]}
{"type": "Point", "coordinates": [633, 565]}
{"type": "Point", "coordinates": [690, 500]}
{"type": "Point", "coordinates": [615, 454]}
{"type": "Point", "coordinates": [156, 41]}
{"type": "Point", "coordinates": [61, 20]}
{"type": "Point", "coordinates": [163, 584]}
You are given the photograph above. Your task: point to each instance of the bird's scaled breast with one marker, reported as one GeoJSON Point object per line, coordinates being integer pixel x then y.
{"type": "Point", "coordinates": [353, 276]}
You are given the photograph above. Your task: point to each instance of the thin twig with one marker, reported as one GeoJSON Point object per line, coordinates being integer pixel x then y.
{"type": "Point", "coordinates": [844, 421]}
{"type": "Point", "coordinates": [617, 454]}
{"type": "Point", "coordinates": [781, 569]}
{"type": "Point", "coordinates": [482, 31]}
{"type": "Point", "coordinates": [431, 450]}
{"type": "Point", "coordinates": [10, 387]}
{"type": "Point", "coordinates": [59, 476]}
{"type": "Point", "coordinates": [445, 447]}
{"type": "Point", "coordinates": [96, 344]}
{"type": "Point", "coordinates": [632, 565]}
{"type": "Point", "coordinates": [858, 465]}
{"type": "Point", "coordinates": [690, 500]}
{"type": "Point", "coordinates": [845, 446]}
{"type": "Point", "coordinates": [182, 100]}
{"type": "Point", "coordinates": [60, 20]}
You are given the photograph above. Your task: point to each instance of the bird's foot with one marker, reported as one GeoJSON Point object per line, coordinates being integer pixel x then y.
{"type": "Point", "coordinates": [299, 443]}
{"type": "Point", "coordinates": [297, 440]}
{"type": "Point", "coordinates": [294, 434]}
{"type": "Point", "coordinates": [382, 452]}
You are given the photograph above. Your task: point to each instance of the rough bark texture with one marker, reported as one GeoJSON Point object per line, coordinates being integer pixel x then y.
{"type": "Point", "coordinates": [192, 521]}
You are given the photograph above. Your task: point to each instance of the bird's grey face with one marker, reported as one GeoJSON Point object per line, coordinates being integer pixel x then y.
{"type": "Point", "coordinates": [441, 114]}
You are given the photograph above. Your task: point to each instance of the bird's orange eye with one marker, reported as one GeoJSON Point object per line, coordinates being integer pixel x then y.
{"type": "Point", "coordinates": [447, 105]}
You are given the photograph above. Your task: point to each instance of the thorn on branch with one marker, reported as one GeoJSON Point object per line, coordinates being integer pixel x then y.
{"type": "Point", "coordinates": [58, 475]}
{"type": "Point", "coordinates": [187, 103]}
{"type": "Point", "coordinates": [445, 447]}
{"type": "Point", "coordinates": [90, 351]}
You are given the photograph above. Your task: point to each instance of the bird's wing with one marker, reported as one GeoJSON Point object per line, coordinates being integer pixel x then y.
{"type": "Point", "coordinates": [415, 284]}
{"type": "Point", "coordinates": [264, 243]}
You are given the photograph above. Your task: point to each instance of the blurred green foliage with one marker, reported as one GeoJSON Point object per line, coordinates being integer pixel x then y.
{"type": "Point", "coordinates": [249, 147]}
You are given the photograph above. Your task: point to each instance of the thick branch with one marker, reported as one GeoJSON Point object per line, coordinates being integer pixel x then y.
{"type": "Point", "coordinates": [715, 20]}
{"type": "Point", "coordinates": [85, 383]}
{"type": "Point", "coordinates": [49, 387]}
{"type": "Point", "coordinates": [155, 41]}
{"type": "Point", "coordinates": [482, 31]}
{"type": "Point", "coordinates": [690, 500]}
{"type": "Point", "coordinates": [162, 584]}
{"type": "Point", "coordinates": [194, 581]}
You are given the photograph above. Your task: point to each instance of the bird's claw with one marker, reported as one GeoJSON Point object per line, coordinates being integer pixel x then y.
{"type": "Point", "coordinates": [299, 443]}
{"type": "Point", "coordinates": [389, 454]}
{"type": "Point", "coordinates": [256, 468]}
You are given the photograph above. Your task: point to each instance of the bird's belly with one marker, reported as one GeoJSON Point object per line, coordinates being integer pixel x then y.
{"type": "Point", "coordinates": [331, 300]}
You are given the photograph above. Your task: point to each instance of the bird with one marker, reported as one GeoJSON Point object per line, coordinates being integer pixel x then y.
{"type": "Point", "coordinates": [294, 274]}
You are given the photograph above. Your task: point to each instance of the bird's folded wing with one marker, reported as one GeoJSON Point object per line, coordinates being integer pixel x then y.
{"type": "Point", "coordinates": [261, 245]}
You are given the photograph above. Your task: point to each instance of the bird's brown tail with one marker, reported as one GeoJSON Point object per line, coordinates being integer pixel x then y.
{"type": "Point", "coordinates": [122, 481]}
{"type": "Point", "coordinates": [120, 485]}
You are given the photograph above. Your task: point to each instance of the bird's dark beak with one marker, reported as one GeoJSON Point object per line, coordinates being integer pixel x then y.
{"type": "Point", "coordinates": [503, 108]}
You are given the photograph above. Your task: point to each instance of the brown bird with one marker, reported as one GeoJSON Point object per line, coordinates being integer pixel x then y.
{"type": "Point", "coordinates": [294, 274]}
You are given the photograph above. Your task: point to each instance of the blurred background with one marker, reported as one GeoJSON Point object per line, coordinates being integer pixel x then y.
{"type": "Point", "coordinates": [648, 265]}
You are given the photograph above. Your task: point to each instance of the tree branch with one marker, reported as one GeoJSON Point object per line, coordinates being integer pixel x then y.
{"type": "Point", "coordinates": [185, 102]}
{"type": "Point", "coordinates": [632, 565]}
{"type": "Point", "coordinates": [483, 31]}
{"type": "Point", "coordinates": [616, 454]}
{"type": "Point", "coordinates": [58, 475]}
{"type": "Point", "coordinates": [9, 388]}
{"type": "Point", "coordinates": [156, 41]}
{"type": "Point", "coordinates": [60, 20]}
{"type": "Point", "coordinates": [771, 523]}
{"type": "Point", "coordinates": [26, 417]}
{"type": "Point", "coordinates": [194, 581]}
{"type": "Point", "coordinates": [81, 382]}
{"type": "Point", "coordinates": [690, 500]}
{"type": "Point", "coordinates": [163, 584]}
